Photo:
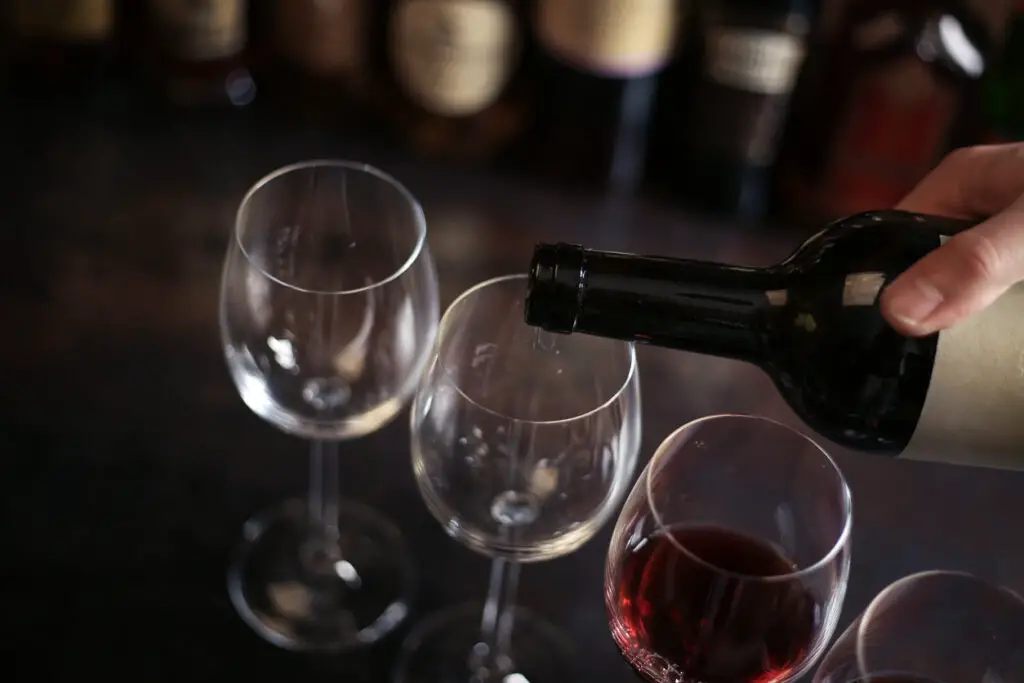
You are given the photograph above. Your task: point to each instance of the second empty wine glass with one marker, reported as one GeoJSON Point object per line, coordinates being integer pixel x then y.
{"type": "Point", "coordinates": [328, 312]}
{"type": "Point", "coordinates": [932, 627]}
{"type": "Point", "coordinates": [730, 558]}
{"type": "Point", "coordinates": [523, 445]}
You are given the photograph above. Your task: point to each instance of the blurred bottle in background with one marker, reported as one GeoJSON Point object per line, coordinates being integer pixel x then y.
{"type": "Point", "coordinates": [58, 48]}
{"type": "Point", "coordinates": [453, 85]}
{"type": "Point", "coordinates": [315, 58]}
{"type": "Point", "coordinates": [1004, 88]}
{"type": "Point", "coordinates": [670, 111]}
{"type": "Point", "coordinates": [195, 51]}
{"type": "Point", "coordinates": [886, 107]}
{"type": "Point", "coordinates": [597, 78]}
{"type": "Point", "coordinates": [750, 57]}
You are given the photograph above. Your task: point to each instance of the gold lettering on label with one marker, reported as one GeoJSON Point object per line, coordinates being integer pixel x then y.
{"type": "Point", "coordinates": [758, 61]}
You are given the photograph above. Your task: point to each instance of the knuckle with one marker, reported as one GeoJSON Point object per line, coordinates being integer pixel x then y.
{"type": "Point", "coordinates": [962, 157]}
{"type": "Point", "coordinates": [980, 257]}
{"type": "Point", "coordinates": [984, 178]}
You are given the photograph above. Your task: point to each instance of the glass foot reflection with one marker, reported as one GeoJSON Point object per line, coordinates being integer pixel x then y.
{"type": "Point", "coordinates": [299, 596]}
{"type": "Point", "coordinates": [439, 650]}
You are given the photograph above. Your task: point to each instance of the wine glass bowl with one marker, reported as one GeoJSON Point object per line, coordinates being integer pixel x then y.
{"type": "Point", "coordinates": [328, 312]}
{"type": "Point", "coordinates": [523, 443]}
{"type": "Point", "coordinates": [730, 557]}
{"type": "Point", "coordinates": [932, 627]}
{"type": "Point", "coordinates": [329, 299]}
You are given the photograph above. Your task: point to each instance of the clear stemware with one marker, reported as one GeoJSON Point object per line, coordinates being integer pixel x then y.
{"type": "Point", "coordinates": [328, 312]}
{"type": "Point", "coordinates": [524, 444]}
{"type": "Point", "coordinates": [932, 627]}
{"type": "Point", "coordinates": [730, 558]}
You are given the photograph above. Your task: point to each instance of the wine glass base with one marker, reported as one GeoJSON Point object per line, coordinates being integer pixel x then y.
{"type": "Point", "coordinates": [439, 650]}
{"type": "Point", "coordinates": [301, 599]}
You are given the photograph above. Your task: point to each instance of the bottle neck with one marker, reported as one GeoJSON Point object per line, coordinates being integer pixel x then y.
{"type": "Point", "coordinates": [705, 308]}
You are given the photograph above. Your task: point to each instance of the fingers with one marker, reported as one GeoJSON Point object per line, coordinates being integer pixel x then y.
{"type": "Point", "coordinates": [973, 182]}
{"type": "Point", "coordinates": [960, 278]}
{"type": "Point", "coordinates": [971, 270]}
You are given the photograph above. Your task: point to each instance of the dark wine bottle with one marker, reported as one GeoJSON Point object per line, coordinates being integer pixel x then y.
{"type": "Point", "coordinates": [597, 74]}
{"type": "Point", "coordinates": [318, 68]}
{"type": "Point", "coordinates": [197, 52]}
{"type": "Point", "coordinates": [891, 100]}
{"type": "Point", "coordinates": [456, 86]}
{"type": "Point", "coordinates": [812, 323]}
{"type": "Point", "coordinates": [753, 52]}
{"type": "Point", "coordinates": [1004, 96]}
{"type": "Point", "coordinates": [58, 49]}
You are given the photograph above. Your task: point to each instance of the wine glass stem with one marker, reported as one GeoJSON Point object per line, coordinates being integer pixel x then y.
{"type": "Point", "coordinates": [490, 660]}
{"type": "Point", "coordinates": [324, 497]}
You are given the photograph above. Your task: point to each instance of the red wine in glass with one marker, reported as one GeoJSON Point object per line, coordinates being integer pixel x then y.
{"type": "Point", "coordinates": [711, 605]}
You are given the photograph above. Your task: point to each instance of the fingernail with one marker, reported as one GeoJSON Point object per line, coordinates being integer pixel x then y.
{"type": "Point", "coordinates": [914, 302]}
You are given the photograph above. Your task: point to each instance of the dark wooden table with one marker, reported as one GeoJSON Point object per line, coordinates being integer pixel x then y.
{"type": "Point", "coordinates": [129, 463]}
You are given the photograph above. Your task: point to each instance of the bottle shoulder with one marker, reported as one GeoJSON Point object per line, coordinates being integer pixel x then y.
{"type": "Point", "coordinates": [888, 240]}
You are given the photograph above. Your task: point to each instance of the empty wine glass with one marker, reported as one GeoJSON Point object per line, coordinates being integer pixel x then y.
{"type": "Point", "coordinates": [932, 627]}
{"type": "Point", "coordinates": [730, 558]}
{"type": "Point", "coordinates": [328, 312]}
{"type": "Point", "coordinates": [523, 444]}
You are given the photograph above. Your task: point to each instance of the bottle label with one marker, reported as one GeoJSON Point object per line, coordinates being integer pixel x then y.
{"type": "Point", "coordinates": [974, 409]}
{"type": "Point", "coordinates": [322, 36]}
{"type": "Point", "coordinates": [891, 134]}
{"type": "Point", "coordinates": [75, 20]}
{"type": "Point", "coordinates": [757, 61]}
{"type": "Point", "coordinates": [611, 37]}
{"type": "Point", "coordinates": [201, 29]}
{"type": "Point", "coordinates": [454, 57]}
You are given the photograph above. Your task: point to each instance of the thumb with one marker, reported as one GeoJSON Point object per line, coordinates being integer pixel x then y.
{"type": "Point", "coordinates": [958, 279]}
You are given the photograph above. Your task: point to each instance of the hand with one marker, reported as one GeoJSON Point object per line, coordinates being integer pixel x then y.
{"type": "Point", "coordinates": [975, 267]}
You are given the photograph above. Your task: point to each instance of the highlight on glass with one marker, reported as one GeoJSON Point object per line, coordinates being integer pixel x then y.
{"type": "Point", "coordinates": [328, 312]}
{"type": "Point", "coordinates": [730, 558]}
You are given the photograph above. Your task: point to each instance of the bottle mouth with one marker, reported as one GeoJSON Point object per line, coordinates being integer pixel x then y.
{"type": "Point", "coordinates": [553, 287]}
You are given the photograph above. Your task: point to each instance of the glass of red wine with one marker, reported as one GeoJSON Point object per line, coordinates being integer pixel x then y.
{"type": "Point", "coordinates": [932, 627]}
{"type": "Point", "coordinates": [730, 558]}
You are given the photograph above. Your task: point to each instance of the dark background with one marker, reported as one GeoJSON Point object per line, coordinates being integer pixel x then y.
{"type": "Point", "coordinates": [128, 463]}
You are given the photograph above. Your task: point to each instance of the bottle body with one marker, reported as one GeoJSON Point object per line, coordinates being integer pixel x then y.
{"type": "Point", "coordinates": [812, 323]}
{"type": "Point", "coordinates": [888, 103]}
{"type": "Point", "coordinates": [317, 70]}
{"type": "Point", "coordinates": [1004, 96]}
{"type": "Point", "coordinates": [598, 71]}
{"type": "Point", "coordinates": [59, 48]}
{"type": "Point", "coordinates": [197, 55]}
{"type": "Point", "coordinates": [752, 54]}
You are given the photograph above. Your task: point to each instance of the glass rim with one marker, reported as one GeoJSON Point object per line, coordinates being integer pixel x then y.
{"type": "Point", "coordinates": [419, 220]}
{"type": "Point", "coordinates": [842, 537]}
{"type": "Point", "coordinates": [867, 616]}
{"type": "Point", "coordinates": [446, 323]}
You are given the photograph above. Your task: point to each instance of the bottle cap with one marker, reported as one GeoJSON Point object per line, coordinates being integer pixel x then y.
{"type": "Point", "coordinates": [556, 273]}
